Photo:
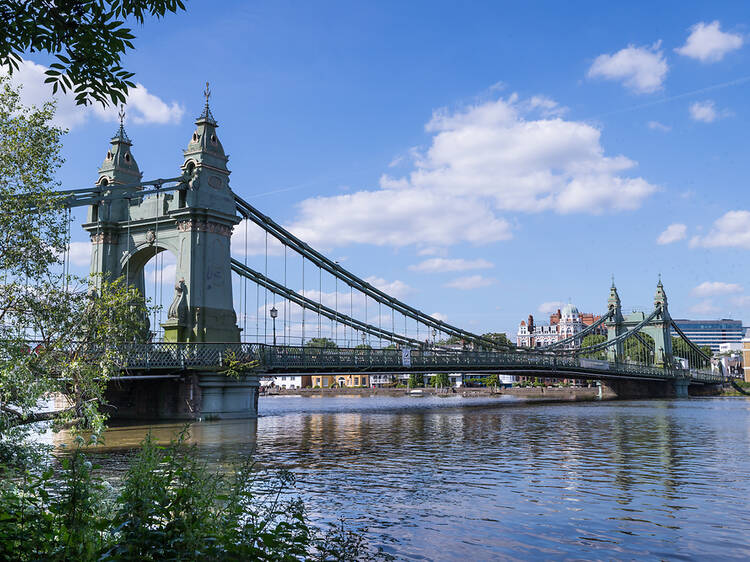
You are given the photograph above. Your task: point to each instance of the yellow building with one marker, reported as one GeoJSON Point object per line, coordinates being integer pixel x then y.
{"type": "Point", "coordinates": [746, 356]}
{"type": "Point", "coordinates": [342, 380]}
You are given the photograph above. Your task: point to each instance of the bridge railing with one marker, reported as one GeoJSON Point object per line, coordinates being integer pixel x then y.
{"type": "Point", "coordinates": [213, 356]}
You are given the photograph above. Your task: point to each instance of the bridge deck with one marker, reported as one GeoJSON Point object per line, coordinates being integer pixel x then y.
{"type": "Point", "coordinates": [161, 357]}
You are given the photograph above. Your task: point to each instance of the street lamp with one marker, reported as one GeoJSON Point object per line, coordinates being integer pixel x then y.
{"type": "Point", "coordinates": [434, 336]}
{"type": "Point", "coordinates": [274, 314]}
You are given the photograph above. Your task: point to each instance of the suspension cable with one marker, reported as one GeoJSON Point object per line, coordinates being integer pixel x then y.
{"type": "Point", "coordinates": [244, 289]}
{"type": "Point", "coordinates": [286, 301]}
{"type": "Point", "coordinates": [265, 306]}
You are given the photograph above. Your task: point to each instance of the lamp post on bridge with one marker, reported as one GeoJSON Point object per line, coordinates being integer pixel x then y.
{"type": "Point", "coordinates": [274, 313]}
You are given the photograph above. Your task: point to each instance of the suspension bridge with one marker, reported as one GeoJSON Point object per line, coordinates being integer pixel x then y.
{"type": "Point", "coordinates": [178, 372]}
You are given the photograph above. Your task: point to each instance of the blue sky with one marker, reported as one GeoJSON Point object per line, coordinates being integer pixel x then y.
{"type": "Point", "coordinates": [481, 160]}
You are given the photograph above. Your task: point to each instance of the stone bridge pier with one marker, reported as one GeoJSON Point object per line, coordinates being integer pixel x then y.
{"type": "Point", "coordinates": [188, 396]}
{"type": "Point", "coordinates": [671, 388]}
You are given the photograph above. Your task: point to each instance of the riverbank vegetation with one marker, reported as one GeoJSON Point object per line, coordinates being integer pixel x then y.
{"type": "Point", "coordinates": [169, 506]}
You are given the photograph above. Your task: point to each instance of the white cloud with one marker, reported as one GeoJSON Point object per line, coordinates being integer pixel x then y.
{"type": "Point", "coordinates": [704, 308]}
{"type": "Point", "coordinates": [80, 253]}
{"type": "Point", "coordinates": [731, 230]}
{"type": "Point", "coordinates": [142, 106]}
{"type": "Point", "coordinates": [435, 265]}
{"type": "Point", "coordinates": [706, 112]}
{"type": "Point", "coordinates": [712, 288]}
{"type": "Point", "coordinates": [656, 126]}
{"type": "Point", "coordinates": [707, 43]}
{"type": "Point", "coordinates": [161, 269]}
{"type": "Point", "coordinates": [672, 233]}
{"type": "Point", "coordinates": [431, 251]}
{"type": "Point", "coordinates": [396, 161]}
{"type": "Point", "coordinates": [440, 316]}
{"type": "Point", "coordinates": [550, 307]}
{"type": "Point", "coordinates": [412, 216]}
{"type": "Point", "coordinates": [493, 157]}
{"type": "Point", "coordinates": [397, 289]}
{"type": "Point", "coordinates": [641, 69]}
{"type": "Point", "coordinates": [470, 282]}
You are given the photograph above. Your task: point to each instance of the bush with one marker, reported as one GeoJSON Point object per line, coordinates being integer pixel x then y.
{"type": "Point", "coordinates": [170, 507]}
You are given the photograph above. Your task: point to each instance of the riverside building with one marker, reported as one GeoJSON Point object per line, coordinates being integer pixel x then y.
{"type": "Point", "coordinates": [711, 332]}
{"type": "Point", "coordinates": [564, 323]}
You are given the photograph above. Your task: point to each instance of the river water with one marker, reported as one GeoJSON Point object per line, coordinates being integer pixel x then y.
{"type": "Point", "coordinates": [483, 479]}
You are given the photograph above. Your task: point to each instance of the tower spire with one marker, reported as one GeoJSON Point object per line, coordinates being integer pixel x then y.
{"type": "Point", "coordinates": [121, 135]}
{"type": "Point", "coordinates": [207, 115]}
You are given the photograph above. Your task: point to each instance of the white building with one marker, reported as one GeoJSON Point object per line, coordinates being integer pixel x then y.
{"type": "Point", "coordinates": [288, 381]}
{"type": "Point", "coordinates": [563, 324]}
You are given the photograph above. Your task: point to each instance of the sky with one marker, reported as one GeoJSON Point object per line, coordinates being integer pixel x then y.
{"type": "Point", "coordinates": [483, 161]}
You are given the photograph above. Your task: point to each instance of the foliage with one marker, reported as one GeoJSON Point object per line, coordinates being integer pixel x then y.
{"type": "Point", "coordinates": [441, 380]}
{"type": "Point", "coordinates": [595, 339]}
{"type": "Point", "coordinates": [41, 518]}
{"type": "Point", "coordinates": [321, 342]}
{"type": "Point", "coordinates": [636, 351]}
{"type": "Point", "coordinates": [235, 366]}
{"type": "Point", "coordinates": [69, 326]}
{"type": "Point", "coordinates": [87, 37]}
{"type": "Point", "coordinates": [498, 337]}
{"type": "Point", "coordinates": [170, 507]}
{"type": "Point", "coordinates": [363, 346]}
{"type": "Point", "coordinates": [76, 349]}
{"type": "Point", "coordinates": [680, 348]}
{"type": "Point", "coordinates": [416, 380]}
{"type": "Point", "coordinates": [30, 155]}
{"type": "Point", "coordinates": [491, 381]}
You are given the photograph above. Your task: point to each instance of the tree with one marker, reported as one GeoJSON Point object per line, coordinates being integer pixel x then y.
{"type": "Point", "coordinates": [321, 342]}
{"type": "Point", "coordinates": [498, 337]}
{"type": "Point", "coordinates": [53, 332]}
{"type": "Point", "coordinates": [87, 37]}
{"type": "Point", "coordinates": [416, 380]}
{"type": "Point", "coordinates": [441, 380]}
{"type": "Point", "coordinates": [492, 381]}
{"type": "Point", "coordinates": [636, 351]}
{"type": "Point", "coordinates": [595, 339]}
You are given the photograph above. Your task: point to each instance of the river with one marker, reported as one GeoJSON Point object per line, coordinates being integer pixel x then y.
{"type": "Point", "coordinates": [482, 479]}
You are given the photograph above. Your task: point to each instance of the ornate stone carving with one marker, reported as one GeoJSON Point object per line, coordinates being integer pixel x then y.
{"type": "Point", "coordinates": [204, 226]}
{"type": "Point", "coordinates": [178, 310]}
{"type": "Point", "coordinates": [105, 238]}
{"type": "Point", "coordinates": [150, 237]}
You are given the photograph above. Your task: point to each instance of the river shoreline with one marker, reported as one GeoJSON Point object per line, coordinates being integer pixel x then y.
{"type": "Point", "coordinates": [565, 394]}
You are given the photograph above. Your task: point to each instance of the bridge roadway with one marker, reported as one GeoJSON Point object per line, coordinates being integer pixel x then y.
{"type": "Point", "coordinates": [167, 360]}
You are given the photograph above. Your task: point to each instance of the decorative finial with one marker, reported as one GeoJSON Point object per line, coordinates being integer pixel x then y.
{"type": "Point", "coordinates": [121, 135]}
{"type": "Point", "coordinates": [659, 279]}
{"type": "Point", "coordinates": [613, 280]}
{"type": "Point", "coordinates": [206, 115]}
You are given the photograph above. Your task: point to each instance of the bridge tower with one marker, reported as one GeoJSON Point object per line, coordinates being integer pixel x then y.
{"type": "Point", "coordinates": [615, 325]}
{"type": "Point", "coordinates": [195, 224]}
{"type": "Point", "coordinates": [660, 328]}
